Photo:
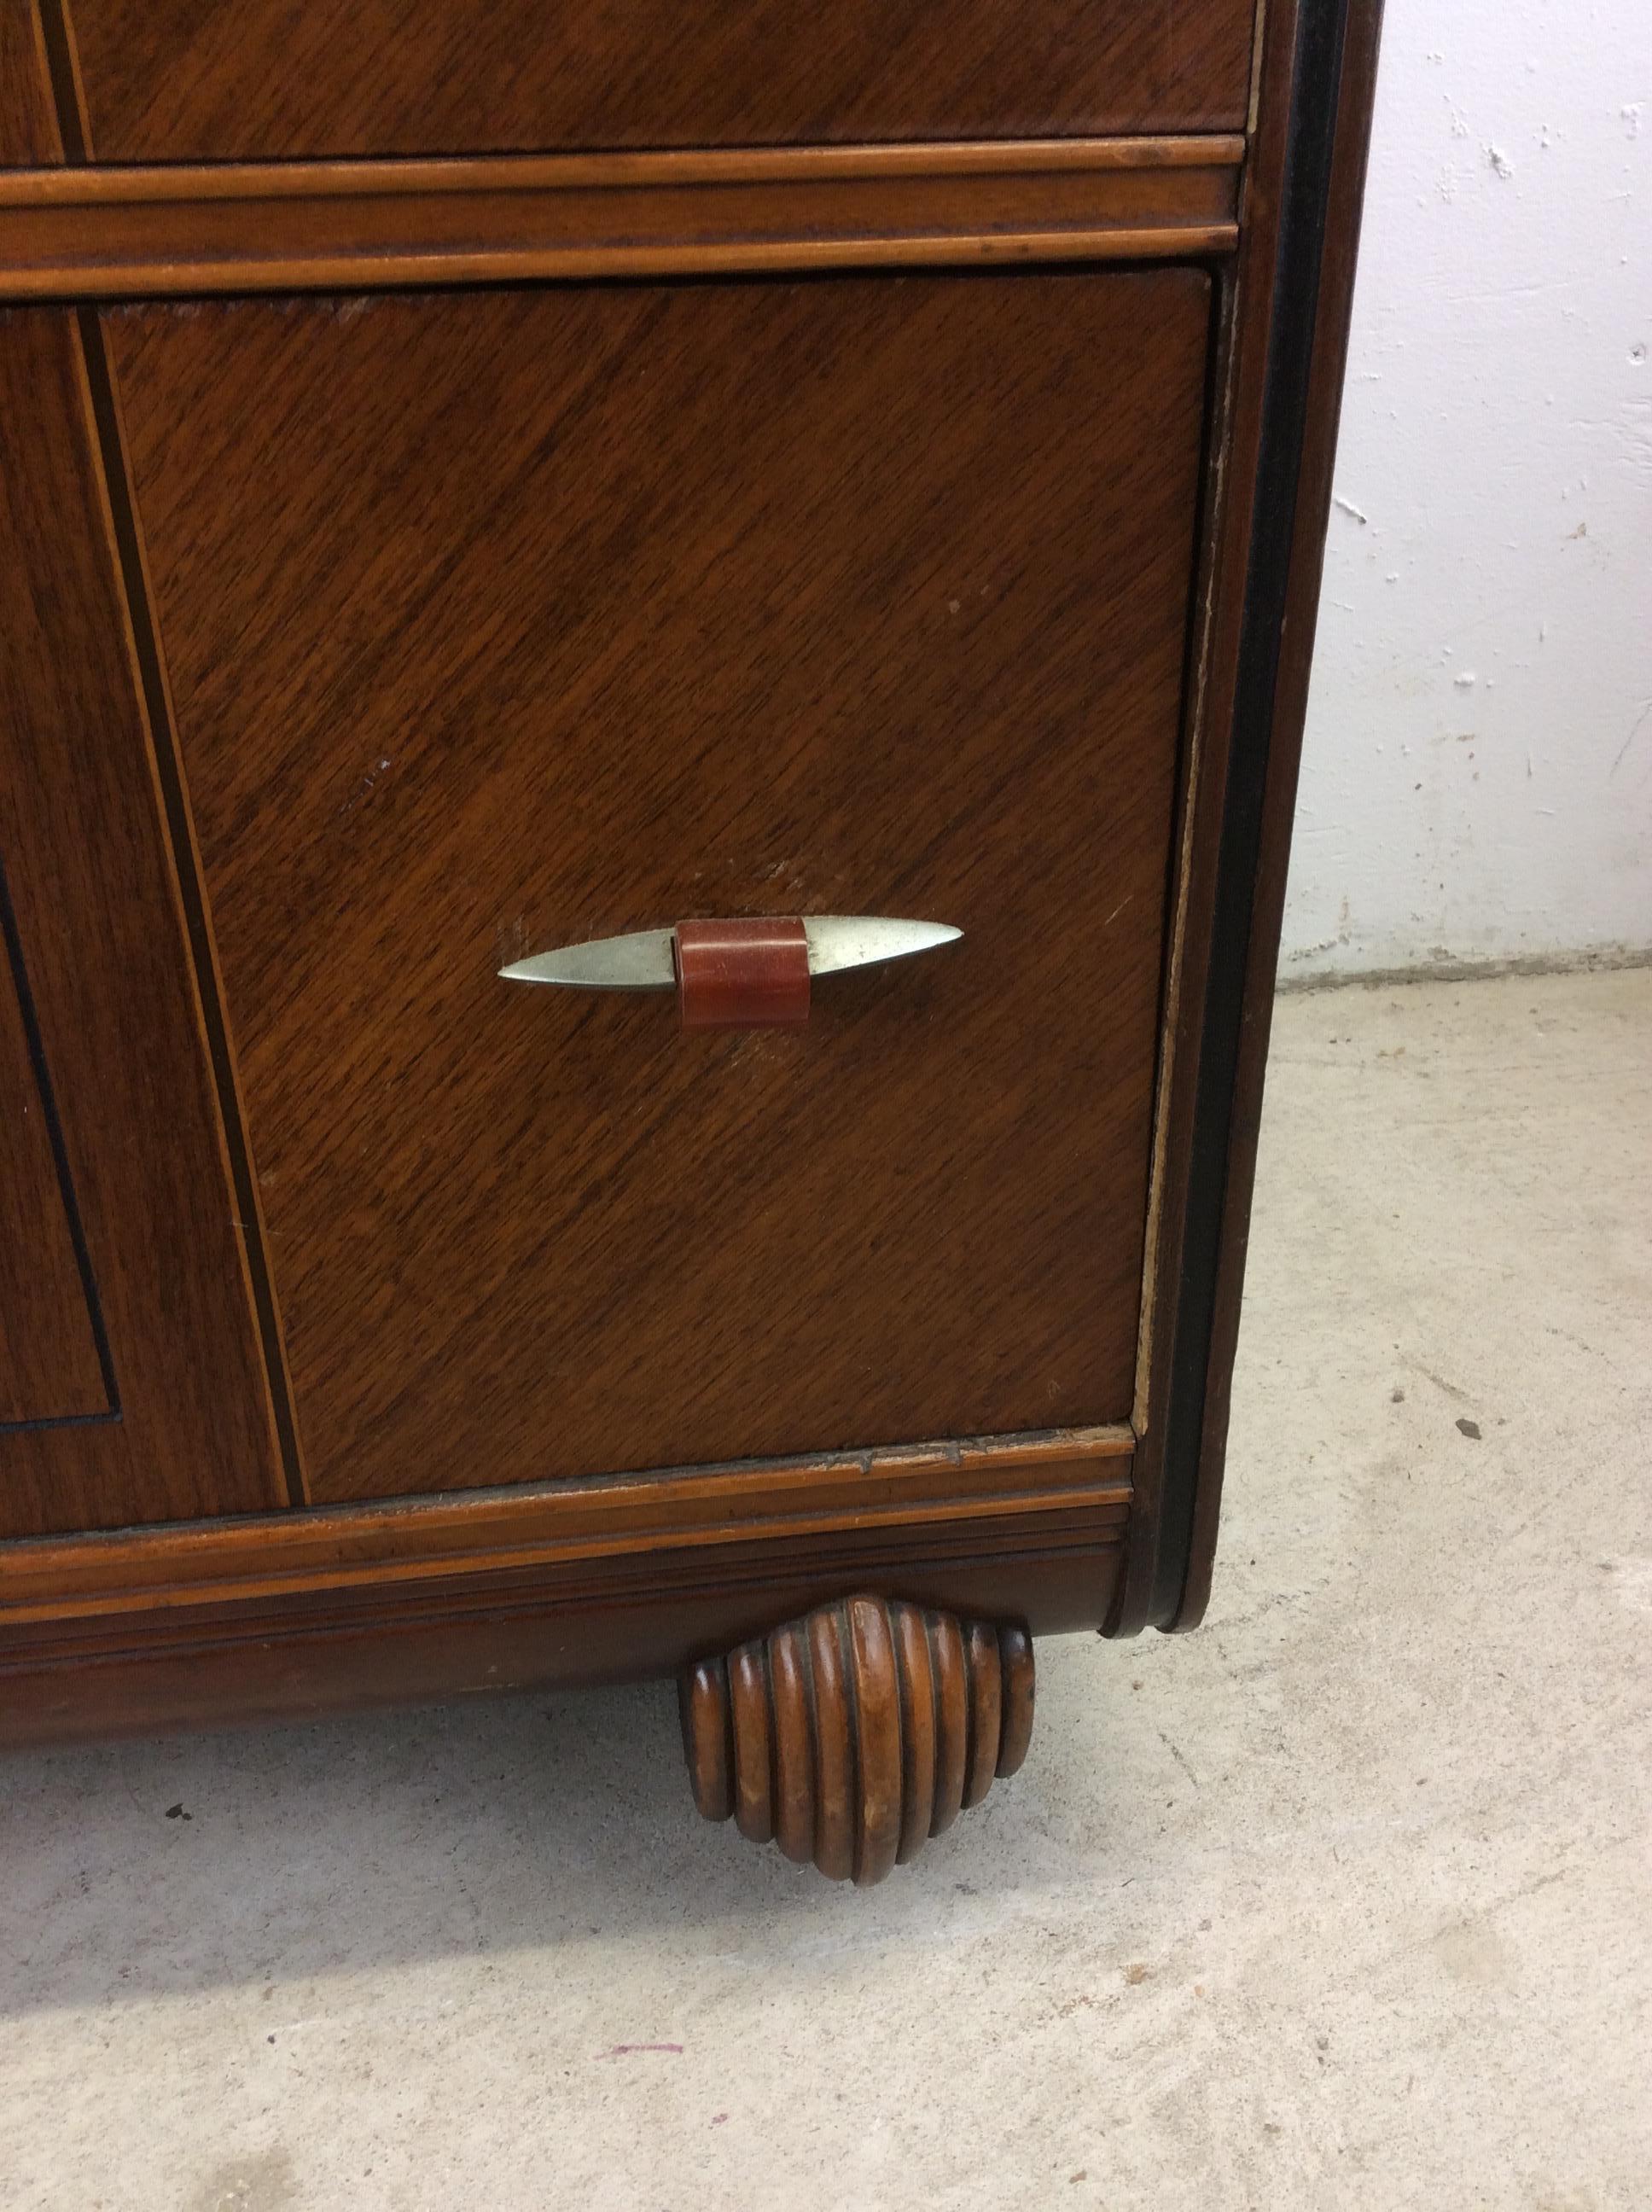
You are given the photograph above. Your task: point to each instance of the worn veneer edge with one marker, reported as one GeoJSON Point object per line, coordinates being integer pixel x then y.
{"type": "Point", "coordinates": [1203, 608]}
{"type": "Point", "coordinates": [1257, 49]}
{"type": "Point", "coordinates": [1085, 1472]}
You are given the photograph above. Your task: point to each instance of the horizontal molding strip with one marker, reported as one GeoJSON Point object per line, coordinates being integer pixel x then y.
{"type": "Point", "coordinates": [258, 1557]}
{"type": "Point", "coordinates": [375, 1643]}
{"type": "Point", "coordinates": [130, 232]}
{"type": "Point", "coordinates": [993, 1544]}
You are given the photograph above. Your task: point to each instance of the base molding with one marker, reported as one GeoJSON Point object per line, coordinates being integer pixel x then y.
{"type": "Point", "coordinates": [299, 1614]}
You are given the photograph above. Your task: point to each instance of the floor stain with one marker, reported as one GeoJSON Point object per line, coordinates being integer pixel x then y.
{"type": "Point", "coordinates": [265, 2183]}
{"type": "Point", "coordinates": [1472, 1952]}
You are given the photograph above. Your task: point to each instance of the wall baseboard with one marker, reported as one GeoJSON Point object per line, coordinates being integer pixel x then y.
{"type": "Point", "coordinates": [1599, 960]}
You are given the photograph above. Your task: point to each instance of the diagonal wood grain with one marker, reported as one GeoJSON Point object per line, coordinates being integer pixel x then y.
{"type": "Point", "coordinates": [499, 622]}
{"type": "Point", "coordinates": [96, 902]}
{"type": "Point", "coordinates": [28, 127]}
{"type": "Point", "coordinates": [179, 80]}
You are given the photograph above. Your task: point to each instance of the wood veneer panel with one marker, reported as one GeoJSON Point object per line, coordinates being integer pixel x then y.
{"type": "Point", "coordinates": [87, 233]}
{"type": "Point", "coordinates": [497, 622]}
{"type": "Point", "coordinates": [183, 80]}
{"type": "Point", "coordinates": [49, 1363]}
{"type": "Point", "coordinates": [97, 913]}
{"type": "Point", "coordinates": [28, 126]}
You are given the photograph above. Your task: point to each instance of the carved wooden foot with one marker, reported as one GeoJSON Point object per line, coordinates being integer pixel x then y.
{"type": "Point", "coordinates": [851, 1736]}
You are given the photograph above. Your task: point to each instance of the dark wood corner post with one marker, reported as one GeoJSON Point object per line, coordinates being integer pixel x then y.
{"type": "Point", "coordinates": [852, 1735]}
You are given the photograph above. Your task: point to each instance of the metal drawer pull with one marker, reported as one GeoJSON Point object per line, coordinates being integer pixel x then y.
{"type": "Point", "coordinates": [733, 975]}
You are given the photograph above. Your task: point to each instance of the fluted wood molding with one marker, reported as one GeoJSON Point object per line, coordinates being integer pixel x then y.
{"type": "Point", "coordinates": [101, 233]}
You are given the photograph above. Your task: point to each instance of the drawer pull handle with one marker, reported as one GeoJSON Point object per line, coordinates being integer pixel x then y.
{"type": "Point", "coordinates": [744, 975]}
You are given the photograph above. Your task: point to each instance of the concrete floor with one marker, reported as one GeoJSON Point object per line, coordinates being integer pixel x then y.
{"type": "Point", "coordinates": [1343, 1901]}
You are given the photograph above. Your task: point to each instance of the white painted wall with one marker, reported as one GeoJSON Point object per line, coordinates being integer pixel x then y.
{"type": "Point", "coordinates": [1477, 780]}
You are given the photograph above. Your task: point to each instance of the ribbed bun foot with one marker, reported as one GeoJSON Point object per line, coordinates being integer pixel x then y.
{"type": "Point", "coordinates": [851, 1736]}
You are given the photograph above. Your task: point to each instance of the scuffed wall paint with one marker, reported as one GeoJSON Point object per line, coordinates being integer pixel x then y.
{"type": "Point", "coordinates": [1477, 778]}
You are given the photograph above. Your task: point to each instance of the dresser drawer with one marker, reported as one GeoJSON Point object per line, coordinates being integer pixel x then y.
{"type": "Point", "coordinates": [500, 623]}
{"type": "Point", "coordinates": [173, 80]}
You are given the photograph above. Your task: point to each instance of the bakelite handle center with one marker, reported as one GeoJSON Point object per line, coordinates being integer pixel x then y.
{"type": "Point", "coordinates": [750, 974]}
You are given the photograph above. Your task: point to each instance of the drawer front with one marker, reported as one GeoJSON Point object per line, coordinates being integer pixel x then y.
{"type": "Point", "coordinates": [499, 623]}
{"type": "Point", "coordinates": [177, 80]}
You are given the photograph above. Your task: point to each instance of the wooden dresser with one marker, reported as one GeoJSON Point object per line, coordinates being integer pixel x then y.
{"type": "Point", "coordinates": [482, 481]}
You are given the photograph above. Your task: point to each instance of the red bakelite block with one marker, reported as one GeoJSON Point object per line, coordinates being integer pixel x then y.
{"type": "Point", "coordinates": [742, 974]}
